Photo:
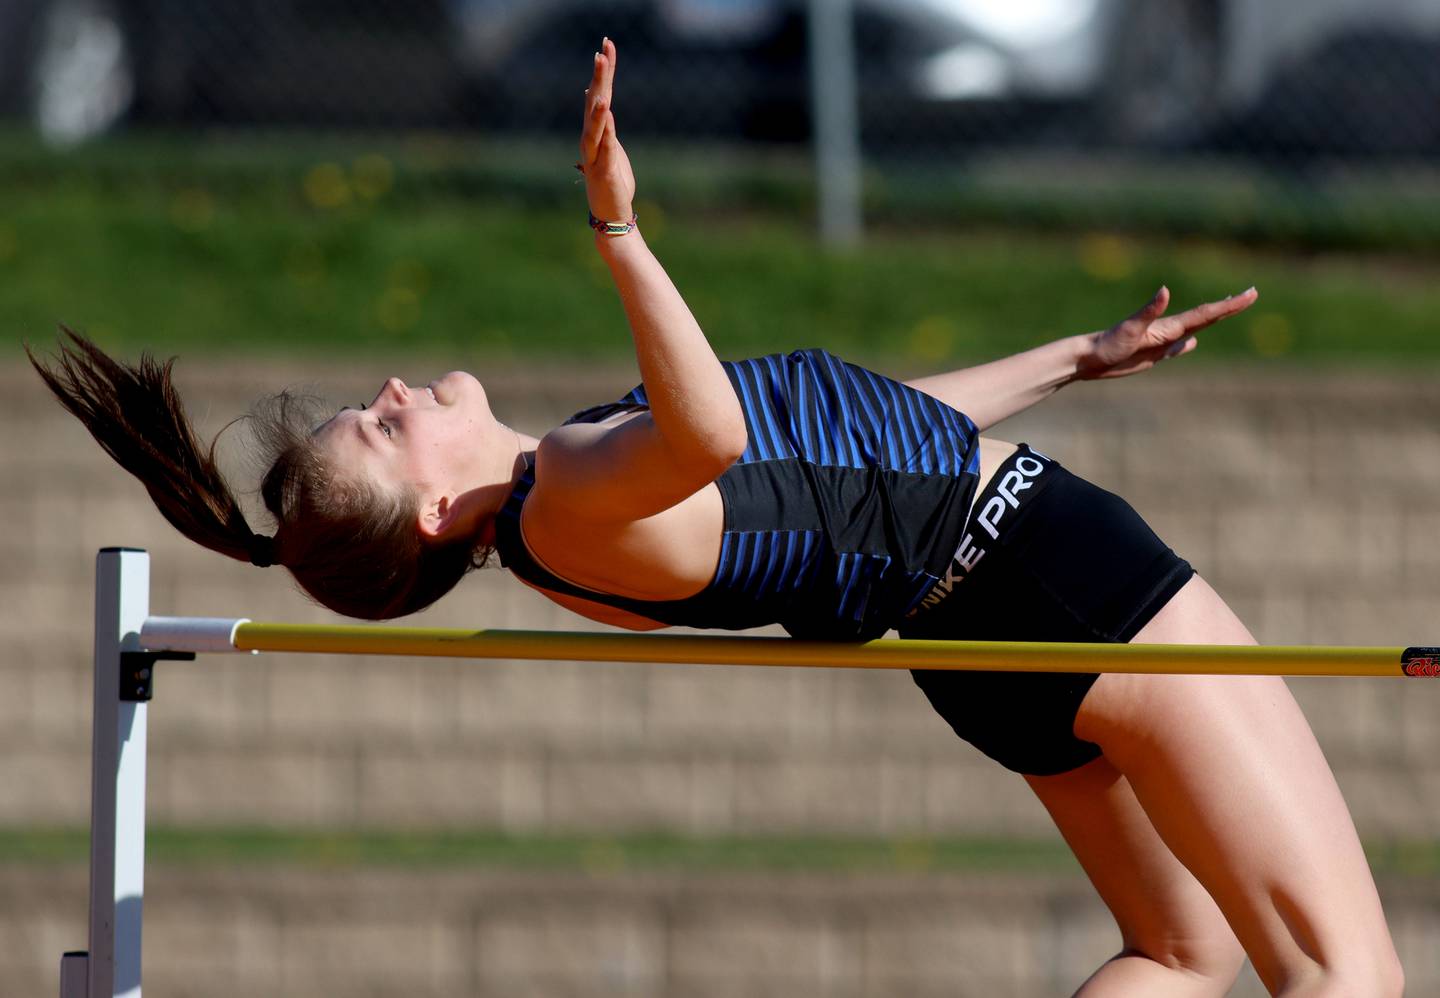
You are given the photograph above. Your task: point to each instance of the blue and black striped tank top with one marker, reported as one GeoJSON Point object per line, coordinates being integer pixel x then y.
{"type": "Point", "coordinates": [841, 515]}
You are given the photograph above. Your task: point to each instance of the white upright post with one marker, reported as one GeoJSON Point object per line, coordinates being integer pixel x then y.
{"type": "Point", "coordinates": [117, 793]}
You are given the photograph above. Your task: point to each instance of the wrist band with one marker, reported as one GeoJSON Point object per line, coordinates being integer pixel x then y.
{"type": "Point", "coordinates": [613, 228]}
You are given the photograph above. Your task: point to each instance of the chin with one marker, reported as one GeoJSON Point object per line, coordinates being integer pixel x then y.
{"type": "Point", "coordinates": [458, 386]}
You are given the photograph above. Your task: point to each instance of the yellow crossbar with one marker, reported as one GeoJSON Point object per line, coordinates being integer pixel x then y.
{"type": "Point", "coordinates": [1019, 656]}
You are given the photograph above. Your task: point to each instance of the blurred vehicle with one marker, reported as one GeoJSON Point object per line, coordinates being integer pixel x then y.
{"type": "Point", "coordinates": [1329, 75]}
{"type": "Point", "coordinates": [1160, 73]}
{"type": "Point", "coordinates": [1342, 76]}
{"type": "Point", "coordinates": [742, 66]}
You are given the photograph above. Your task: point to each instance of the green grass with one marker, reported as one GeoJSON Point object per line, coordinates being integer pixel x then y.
{"type": "Point", "coordinates": [590, 853]}
{"type": "Point", "coordinates": [1306, 204]}
{"type": "Point", "coordinates": [180, 248]}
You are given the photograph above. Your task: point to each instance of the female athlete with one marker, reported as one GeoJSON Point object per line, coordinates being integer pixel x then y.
{"type": "Point", "coordinates": [803, 490]}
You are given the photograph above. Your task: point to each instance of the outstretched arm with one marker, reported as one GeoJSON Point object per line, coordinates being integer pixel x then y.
{"type": "Point", "coordinates": [695, 427]}
{"type": "Point", "coordinates": [991, 392]}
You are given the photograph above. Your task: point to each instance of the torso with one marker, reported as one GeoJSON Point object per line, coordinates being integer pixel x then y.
{"type": "Point", "coordinates": [671, 555]}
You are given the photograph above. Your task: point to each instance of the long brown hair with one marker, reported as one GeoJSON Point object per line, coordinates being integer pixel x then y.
{"type": "Point", "coordinates": [351, 546]}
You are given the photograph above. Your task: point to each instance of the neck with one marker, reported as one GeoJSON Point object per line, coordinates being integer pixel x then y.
{"type": "Point", "coordinates": [514, 451]}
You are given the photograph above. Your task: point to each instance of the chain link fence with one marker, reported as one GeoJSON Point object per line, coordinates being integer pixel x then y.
{"type": "Point", "coordinates": [1241, 115]}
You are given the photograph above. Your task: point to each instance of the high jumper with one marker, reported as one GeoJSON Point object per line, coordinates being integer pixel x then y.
{"type": "Point", "coordinates": [803, 490]}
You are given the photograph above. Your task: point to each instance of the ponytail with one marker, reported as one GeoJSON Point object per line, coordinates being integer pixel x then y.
{"type": "Point", "coordinates": [136, 416]}
{"type": "Point", "coordinates": [351, 546]}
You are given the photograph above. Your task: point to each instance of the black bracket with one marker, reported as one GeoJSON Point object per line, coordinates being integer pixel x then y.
{"type": "Point", "coordinates": [137, 672]}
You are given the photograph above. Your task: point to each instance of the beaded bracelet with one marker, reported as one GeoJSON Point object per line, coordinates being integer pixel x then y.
{"type": "Point", "coordinates": [614, 228]}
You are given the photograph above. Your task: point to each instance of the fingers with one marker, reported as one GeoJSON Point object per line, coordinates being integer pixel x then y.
{"type": "Point", "coordinates": [1144, 360]}
{"type": "Point", "coordinates": [597, 101]}
{"type": "Point", "coordinates": [605, 141]}
{"type": "Point", "coordinates": [1210, 313]}
{"type": "Point", "coordinates": [587, 131]}
{"type": "Point", "coordinates": [1181, 347]}
{"type": "Point", "coordinates": [595, 119]}
{"type": "Point", "coordinates": [602, 77]}
{"type": "Point", "coordinates": [1156, 306]}
{"type": "Point", "coordinates": [607, 56]}
{"type": "Point", "coordinates": [597, 80]}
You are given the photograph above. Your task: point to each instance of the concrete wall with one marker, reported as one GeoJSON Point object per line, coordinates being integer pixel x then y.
{"type": "Point", "coordinates": [1310, 502]}
{"type": "Point", "coordinates": [373, 933]}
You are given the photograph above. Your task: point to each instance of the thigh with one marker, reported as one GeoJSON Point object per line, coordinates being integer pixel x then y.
{"type": "Point", "coordinates": [1165, 916]}
{"type": "Point", "coordinates": [1233, 780]}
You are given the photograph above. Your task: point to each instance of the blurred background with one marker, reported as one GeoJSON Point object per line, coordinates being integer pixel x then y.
{"type": "Point", "coordinates": [311, 192]}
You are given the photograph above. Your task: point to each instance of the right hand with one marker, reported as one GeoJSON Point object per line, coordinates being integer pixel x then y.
{"type": "Point", "coordinates": [609, 180]}
{"type": "Point", "coordinates": [1150, 336]}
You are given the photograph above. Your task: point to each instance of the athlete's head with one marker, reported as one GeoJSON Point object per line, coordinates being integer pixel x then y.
{"type": "Point", "coordinates": [429, 441]}
{"type": "Point", "coordinates": [370, 525]}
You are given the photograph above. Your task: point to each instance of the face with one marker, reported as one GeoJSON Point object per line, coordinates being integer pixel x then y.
{"type": "Point", "coordinates": [428, 437]}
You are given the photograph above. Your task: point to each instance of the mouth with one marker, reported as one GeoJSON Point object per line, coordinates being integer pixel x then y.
{"type": "Point", "coordinates": [431, 390]}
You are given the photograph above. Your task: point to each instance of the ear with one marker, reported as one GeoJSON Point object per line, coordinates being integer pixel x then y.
{"type": "Point", "coordinates": [438, 515]}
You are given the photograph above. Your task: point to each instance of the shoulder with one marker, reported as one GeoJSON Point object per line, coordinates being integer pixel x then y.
{"type": "Point", "coordinates": [575, 436]}
{"type": "Point", "coordinates": [576, 461]}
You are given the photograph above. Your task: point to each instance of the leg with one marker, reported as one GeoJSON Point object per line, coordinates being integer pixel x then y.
{"type": "Point", "coordinates": [1233, 781]}
{"type": "Point", "coordinates": [1176, 943]}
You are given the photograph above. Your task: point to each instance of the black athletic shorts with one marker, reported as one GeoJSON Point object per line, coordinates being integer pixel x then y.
{"type": "Point", "coordinates": [1046, 556]}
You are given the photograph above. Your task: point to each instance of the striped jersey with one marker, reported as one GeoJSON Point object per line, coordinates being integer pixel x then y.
{"type": "Point", "coordinates": [843, 512]}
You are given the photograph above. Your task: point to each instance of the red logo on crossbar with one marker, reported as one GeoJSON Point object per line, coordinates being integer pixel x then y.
{"type": "Point", "coordinates": [1420, 662]}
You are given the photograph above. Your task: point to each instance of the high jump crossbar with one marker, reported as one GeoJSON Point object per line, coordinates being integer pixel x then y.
{"type": "Point", "coordinates": [129, 641]}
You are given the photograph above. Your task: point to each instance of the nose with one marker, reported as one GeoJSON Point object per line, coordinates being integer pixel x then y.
{"type": "Point", "coordinates": [393, 390]}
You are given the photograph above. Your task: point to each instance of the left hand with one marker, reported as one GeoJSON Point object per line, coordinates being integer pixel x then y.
{"type": "Point", "coordinates": [1149, 336]}
{"type": "Point", "coordinates": [609, 180]}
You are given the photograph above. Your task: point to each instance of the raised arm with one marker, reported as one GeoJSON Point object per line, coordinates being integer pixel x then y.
{"type": "Point", "coordinates": [989, 393]}
{"type": "Point", "coordinates": [695, 427]}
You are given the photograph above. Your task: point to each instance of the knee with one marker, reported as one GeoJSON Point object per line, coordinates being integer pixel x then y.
{"type": "Point", "coordinates": [1218, 963]}
{"type": "Point", "coordinates": [1376, 975]}
{"type": "Point", "coordinates": [1215, 959]}
{"type": "Point", "coordinates": [1381, 976]}
{"type": "Point", "coordinates": [1227, 960]}
{"type": "Point", "coordinates": [1219, 959]}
